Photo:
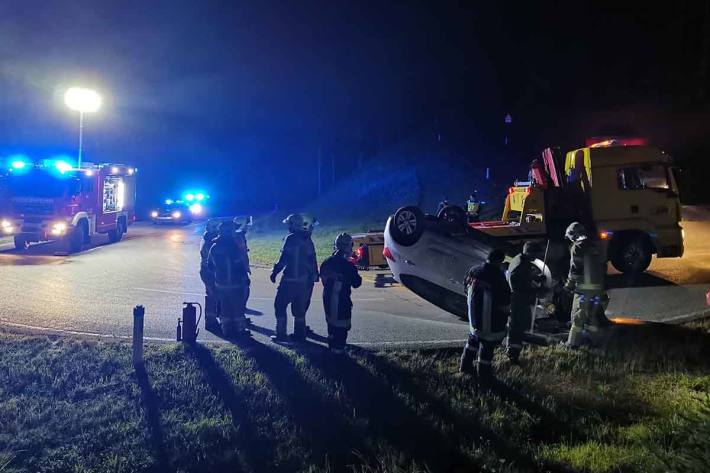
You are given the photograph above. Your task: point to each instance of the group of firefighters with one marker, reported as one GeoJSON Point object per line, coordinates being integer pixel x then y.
{"type": "Point", "coordinates": [497, 305]}
{"type": "Point", "coordinates": [225, 272]}
{"type": "Point", "coordinates": [500, 305]}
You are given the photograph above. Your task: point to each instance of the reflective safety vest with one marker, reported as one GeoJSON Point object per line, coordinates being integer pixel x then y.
{"type": "Point", "coordinates": [588, 267]}
{"type": "Point", "coordinates": [473, 206]}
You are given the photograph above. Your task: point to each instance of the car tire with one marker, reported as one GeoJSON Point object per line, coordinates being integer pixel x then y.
{"type": "Point", "coordinates": [21, 243]}
{"type": "Point", "coordinates": [75, 239]}
{"type": "Point", "coordinates": [407, 225]}
{"type": "Point", "coordinates": [632, 255]}
{"type": "Point", "coordinates": [454, 215]}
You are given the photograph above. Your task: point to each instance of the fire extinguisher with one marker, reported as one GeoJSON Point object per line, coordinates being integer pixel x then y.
{"type": "Point", "coordinates": [190, 321]}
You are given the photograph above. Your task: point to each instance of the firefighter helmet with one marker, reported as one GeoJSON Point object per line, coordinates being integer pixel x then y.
{"type": "Point", "coordinates": [226, 228]}
{"type": "Point", "coordinates": [532, 249]}
{"type": "Point", "coordinates": [344, 243]}
{"type": "Point", "coordinates": [212, 226]}
{"type": "Point", "coordinates": [294, 221]}
{"type": "Point", "coordinates": [576, 232]}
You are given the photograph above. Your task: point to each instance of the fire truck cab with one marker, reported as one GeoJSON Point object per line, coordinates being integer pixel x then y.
{"type": "Point", "coordinates": [52, 200]}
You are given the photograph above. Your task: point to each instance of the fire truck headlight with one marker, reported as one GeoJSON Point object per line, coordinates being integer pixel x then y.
{"type": "Point", "coordinates": [7, 227]}
{"type": "Point", "coordinates": [177, 215]}
{"type": "Point", "coordinates": [59, 228]}
{"type": "Point", "coordinates": [154, 214]}
{"type": "Point", "coordinates": [196, 209]}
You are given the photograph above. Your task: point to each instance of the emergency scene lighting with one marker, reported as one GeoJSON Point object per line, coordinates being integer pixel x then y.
{"type": "Point", "coordinates": [355, 236]}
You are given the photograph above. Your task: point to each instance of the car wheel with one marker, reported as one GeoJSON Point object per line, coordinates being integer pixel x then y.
{"type": "Point", "coordinates": [407, 225]}
{"type": "Point", "coordinates": [21, 243]}
{"type": "Point", "coordinates": [632, 256]}
{"type": "Point", "coordinates": [453, 214]}
{"type": "Point", "coordinates": [75, 239]}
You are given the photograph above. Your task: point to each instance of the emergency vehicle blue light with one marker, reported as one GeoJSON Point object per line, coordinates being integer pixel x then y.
{"type": "Point", "coordinates": [189, 197]}
{"type": "Point", "coordinates": [168, 201]}
{"type": "Point", "coordinates": [18, 164]}
{"type": "Point", "coordinates": [200, 196]}
{"type": "Point", "coordinates": [62, 166]}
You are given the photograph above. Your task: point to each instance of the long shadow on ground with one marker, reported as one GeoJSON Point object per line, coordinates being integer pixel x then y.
{"type": "Point", "coordinates": [254, 449]}
{"type": "Point", "coordinates": [389, 419]}
{"type": "Point", "coordinates": [152, 409]}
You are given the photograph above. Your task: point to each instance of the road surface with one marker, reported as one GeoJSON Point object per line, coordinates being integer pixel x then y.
{"type": "Point", "coordinates": [93, 292]}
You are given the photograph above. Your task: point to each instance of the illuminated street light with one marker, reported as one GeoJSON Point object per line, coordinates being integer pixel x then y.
{"type": "Point", "coordinates": [83, 101]}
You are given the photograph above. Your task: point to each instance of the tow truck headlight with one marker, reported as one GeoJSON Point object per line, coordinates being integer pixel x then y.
{"type": "Point", "coordinates": [59, 228]}
{"type": "Point", "coordinates": [196, 209]}
{"type": "Point", "coordinates": [154, 214]}
{"type": "Point", "coordinates": [7, 227]}
{"type": "Point", "coordinates": [177, 215]}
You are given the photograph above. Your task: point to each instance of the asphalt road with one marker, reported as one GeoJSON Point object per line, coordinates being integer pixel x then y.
{"type": "Point", "coordinates": [93, 292]}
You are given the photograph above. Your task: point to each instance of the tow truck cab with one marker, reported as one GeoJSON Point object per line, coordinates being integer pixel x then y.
{"type": "Point", "coordinates": [54, 201]}
{"type": "Point", "coordinates": [626, 194]}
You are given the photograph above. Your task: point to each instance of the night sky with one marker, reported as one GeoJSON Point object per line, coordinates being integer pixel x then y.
{"type": "Point", "coordinates": [242, 95]}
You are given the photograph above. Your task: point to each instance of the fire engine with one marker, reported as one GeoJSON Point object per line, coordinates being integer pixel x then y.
{"type": "Point", "coordinates": [53, 200]}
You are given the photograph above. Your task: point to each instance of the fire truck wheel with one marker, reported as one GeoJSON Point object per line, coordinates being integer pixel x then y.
{"type": "Point", "coordinates": [407, 225]}
{"type": "Point", "coordinates": [117, 234]}
{"type": "Point", "coordinates": [76, 239]}
{"type": "Point", "coordinates": [21, 243]}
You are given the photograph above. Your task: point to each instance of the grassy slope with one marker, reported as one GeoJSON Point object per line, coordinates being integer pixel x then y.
{"type": "Point", "coordinates": [71, 405]}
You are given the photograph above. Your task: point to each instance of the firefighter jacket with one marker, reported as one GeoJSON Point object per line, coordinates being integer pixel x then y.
{"type": "Point", "coordinates": [298, 258]}
{"type": "Point", "coordinates": [207, 240]}
{"type": "Point", "coordinates": [488, 301]}
{"type": "Point", "coordinates": [226, 262]}
{"type": "Point", "coordinates": [525, 279]}
{"type": "Point", "coordinates": [587, 266]}
{"type": "Point", "coordinates": [339, 276]}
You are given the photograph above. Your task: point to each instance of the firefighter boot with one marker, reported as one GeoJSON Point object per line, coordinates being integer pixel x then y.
{"type": "Point", "coordinates": [280, 335]}
{"type": "Point", "coordinates": [466, 364]}
{"type": "Point", "coordinates": [241, 328]}
{"type": "Point", "coordinates": [299, 330]}
{"type": "Point", "coordinates": [229, 327]}
{"type": "Point", "coordinates": [211, 322]}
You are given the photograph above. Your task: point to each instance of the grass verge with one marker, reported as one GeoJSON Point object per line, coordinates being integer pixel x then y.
{"type": "Point", "coordinates": [640, 403]}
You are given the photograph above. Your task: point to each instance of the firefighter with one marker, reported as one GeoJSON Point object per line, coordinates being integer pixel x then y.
{"type": "Point", "coordinates": [300, 272]}
{"type": "Point", "coordinates": [241, 239]}
{"type": "Point", "coordinates": [586, 280]}
{"type": "Point", "coordinates": [526, 282]}
{"type": "Point", "coordinates": [226, 261]}
{"type": "Point", "coordinates": [473, 207]}
{"type": "Point", "coordinates": [207, 276]}
{"type": "Point", "coordinates": [339, 276]}
{"type": "Point", "coordinates": [488, 298]}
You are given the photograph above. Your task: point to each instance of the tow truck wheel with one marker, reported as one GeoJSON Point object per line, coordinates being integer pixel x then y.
{"type": "Point", "coordinates": [632, 255]}
{"type": "Point", "coordinates": [21, 243]}
{"type": "Point", "coordinates": [407, 225]}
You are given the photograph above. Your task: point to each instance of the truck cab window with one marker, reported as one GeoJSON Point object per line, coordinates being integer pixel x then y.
{"type": "Point", "coordinates": [643, 177]}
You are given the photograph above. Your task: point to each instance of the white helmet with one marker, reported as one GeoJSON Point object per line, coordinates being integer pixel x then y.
{"type": "Point", "coordinates": [576, 232]}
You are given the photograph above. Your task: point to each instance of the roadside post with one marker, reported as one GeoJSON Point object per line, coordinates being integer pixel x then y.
{"type": "Point", "coordinates": [138, 318]}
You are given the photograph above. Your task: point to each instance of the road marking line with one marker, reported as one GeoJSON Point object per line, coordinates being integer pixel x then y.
{"type": "Point", "coordinates": [163, 291]}
{"type": "Point", "coordinates": [161, 339]}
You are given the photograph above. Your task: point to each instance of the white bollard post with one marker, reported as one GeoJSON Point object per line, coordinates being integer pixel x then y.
{"type": "Point", "coordinates": [138, 317]}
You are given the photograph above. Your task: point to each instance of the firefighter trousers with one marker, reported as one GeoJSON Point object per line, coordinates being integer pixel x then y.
{"type": "Point", "coordinates": [337, 338]}
{"type": "Point", "coordinates": [584, 308]}
{"type": "Point", "coordinates": [232, 306]}
{"type": "Point", "coordinates": [297, 294]}
{"type": "Point", "coordinates": [518, 323]}
{"type": "Point", "coordinates": [481, 351]}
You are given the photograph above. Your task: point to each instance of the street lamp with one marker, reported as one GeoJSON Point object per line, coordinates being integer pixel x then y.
{"type": "Point", "coordinates": [83, 101]}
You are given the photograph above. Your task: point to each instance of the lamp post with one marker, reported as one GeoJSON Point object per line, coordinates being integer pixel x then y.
{"type": "Point", "coordinates": [83, 101]}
